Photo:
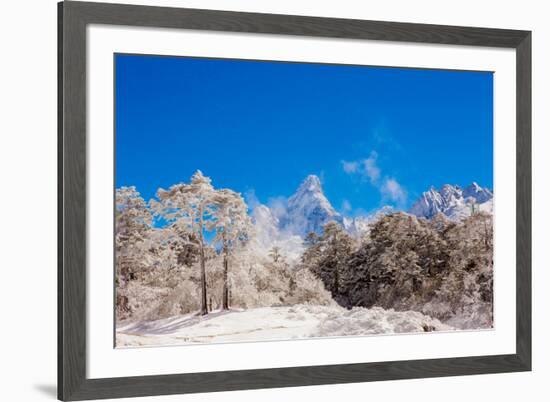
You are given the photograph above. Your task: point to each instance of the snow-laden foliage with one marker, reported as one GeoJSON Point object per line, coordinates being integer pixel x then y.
{"type": "Point", "coordinates": [233, 227]}
{"type": "Point", "coordinates": [190, 206]}
{"type": "Point", "coordinates": [438, 267]}
{"type": "Point", "coordinates": [132, 221]}
{"type": "Point", "coordinates": [327, 255]}
{"type": "Point", "coordinates": [203, 256]}
{"type": "Point", "coordinates": [467, 286]}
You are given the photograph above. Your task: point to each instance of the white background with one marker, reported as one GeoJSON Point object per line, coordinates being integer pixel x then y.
{"type": "Point", "coordinates": [28, 199]}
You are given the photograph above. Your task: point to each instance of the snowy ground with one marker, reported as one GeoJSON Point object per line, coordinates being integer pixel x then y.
{"type": "Point", "coordinates": [273, 323]}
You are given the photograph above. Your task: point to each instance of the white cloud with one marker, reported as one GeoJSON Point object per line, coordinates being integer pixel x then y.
{"type": "Point", "coordinates": [250, 198]}
{"type": "Point", "coordinates": [278, 205]}
{"type": "Point", "coordinates": [392, 190]}
{"type": "Point", "coordinates": [350, 167]}
{"type": "Point", "coordinates": [371, 169]}
{"type": "Point", "coordinates": [368, 169]}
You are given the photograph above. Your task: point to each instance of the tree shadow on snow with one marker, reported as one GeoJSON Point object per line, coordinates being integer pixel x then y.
{"type": "Point", "coordinates": [171, 325]}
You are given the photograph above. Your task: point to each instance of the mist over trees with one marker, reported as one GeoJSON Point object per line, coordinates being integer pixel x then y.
{"type": "Point", "coordinates": [193, 248]}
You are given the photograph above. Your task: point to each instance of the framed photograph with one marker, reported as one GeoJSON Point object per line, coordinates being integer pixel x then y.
{"type": "Point", "coordinates": [257, 201]}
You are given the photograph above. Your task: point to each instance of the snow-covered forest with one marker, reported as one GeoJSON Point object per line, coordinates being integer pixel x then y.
{"type": "Point", "coordinates": [198, 264]}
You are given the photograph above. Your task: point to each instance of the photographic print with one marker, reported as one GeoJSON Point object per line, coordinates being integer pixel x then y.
{"type": "Point", "coordinates": [267, 200]}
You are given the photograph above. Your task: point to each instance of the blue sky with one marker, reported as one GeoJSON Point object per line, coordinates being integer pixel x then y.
{"type": "Point", "coordinates": [374, 135]}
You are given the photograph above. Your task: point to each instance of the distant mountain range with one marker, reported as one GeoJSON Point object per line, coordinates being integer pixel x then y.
{"type": "Point", "coordinates": [453, 201]}
{"type": "Point", "coordinates": [308, 210]}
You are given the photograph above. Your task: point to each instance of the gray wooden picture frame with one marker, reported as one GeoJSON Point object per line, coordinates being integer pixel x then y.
{"type": "Point", "coordinates": [73, 18]}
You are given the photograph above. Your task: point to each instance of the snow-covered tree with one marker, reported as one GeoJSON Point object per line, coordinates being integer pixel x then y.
{"type": "Point", "coordinates": [233, 227]}
{"type": "Point", "coordinates": [132, 228]}
{"type": "Point", "coordinates": [399, 264]}
{"type": "Point", "coordinates": [132, 222]}
{"type": "Point", "coordinates": [275, 253]}
{"type": "Point", "coordinates": [467, 289]}
{"type": "Point", "coordinates": [190, 206]}
{"type": "Point", "coordinates": [327, 255]}
{"type": "Point", "coordinates": [439, 267]}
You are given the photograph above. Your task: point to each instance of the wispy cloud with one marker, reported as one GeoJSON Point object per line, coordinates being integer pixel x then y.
{"type": "Point", "coordinates": [350, 167]}
{"type": "Point", "coordinates": [392, 190]}
{"type": "Point", "coordinates": [372, 171]}
{"type": "Point", "coordinates": [251, 199]}
{"type": "Point", "coordinates": [369, 170]}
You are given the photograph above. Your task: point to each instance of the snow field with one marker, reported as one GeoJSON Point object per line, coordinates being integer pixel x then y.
{"type": "Point", "coordinates": [273, 323]}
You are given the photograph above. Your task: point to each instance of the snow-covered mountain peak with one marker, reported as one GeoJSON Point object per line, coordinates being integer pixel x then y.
{"type": "Point", "coordinates": [475, 186]}
{"type": "Point", "coordinates": [478, 193]}
{"type": "Point", "coordinates": [287, 223]}
{"type": "Point", "coordinates": [309, 209]}
{"type": "Point", "coordinates": [311, 184]}
{"type": "Point", "coordinates": [308, 193]}
{"type": "Point", "coordinates": [452, 201]}
{"type": "Point", "coordinates": [450, 192]}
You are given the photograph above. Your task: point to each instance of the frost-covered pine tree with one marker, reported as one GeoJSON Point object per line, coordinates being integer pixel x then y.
{"type": "Point", "coordinates": [399, 265]}
{"type": "Point", "coordinates": [132, 227]}
{"type": "Point", "coordinates": [132, 224]}
{"type": "Point", "coordinates": [275, 253]}
{"type": "Point", "coordinates": [233, 227]}
{"type": "Point", "coordinates": [312, 254]}
{"type": "Point", "coordinates": [327, 257]}
{"type": "Point", "coordinates": [190, 206]}
{"type": "Point", "coordinates": [467, 289]}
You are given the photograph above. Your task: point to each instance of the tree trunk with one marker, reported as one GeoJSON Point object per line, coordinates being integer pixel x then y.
{"type": "Point", "coordinates": [204, 306]}
{"type": "Point", "coordinates": [225, 296]}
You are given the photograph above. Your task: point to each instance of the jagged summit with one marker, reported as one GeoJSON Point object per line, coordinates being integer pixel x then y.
{"type": "Point", "coordinates": [309, 209]}
{"type": "Point", "coordinates": [310, 192]}
{"type": "Point", "coordinates": [452, 201]}
{"type": "Point", "coordinates": [312, 184]}
{"type": "Point", "coordinates": [480, 194]}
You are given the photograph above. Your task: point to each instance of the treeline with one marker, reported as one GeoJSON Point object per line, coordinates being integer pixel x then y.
{"type": "Point", "coordinates": [438, 267]}
{"type": "Point", "coordinates": [193, 248]}
{"type": "Point", "coordinates": [200, 255]}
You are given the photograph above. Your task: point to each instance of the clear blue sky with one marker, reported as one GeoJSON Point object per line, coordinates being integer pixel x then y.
{"type": "Point", "coordinates": [375, 136]}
